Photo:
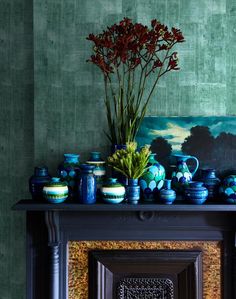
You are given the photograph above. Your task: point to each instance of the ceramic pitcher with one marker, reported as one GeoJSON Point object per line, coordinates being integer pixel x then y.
{"type": "Point", "coordinates": [181, 175]}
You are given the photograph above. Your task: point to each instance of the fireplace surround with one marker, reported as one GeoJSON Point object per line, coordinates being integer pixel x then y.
{"type": "Point", "coordinates": [127, 247]}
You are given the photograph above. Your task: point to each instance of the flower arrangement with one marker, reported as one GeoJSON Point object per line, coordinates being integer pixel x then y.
{"type": "Point", "coordinates": [128, 54]}
{"type": "Point", "coordinates": [131, 163]}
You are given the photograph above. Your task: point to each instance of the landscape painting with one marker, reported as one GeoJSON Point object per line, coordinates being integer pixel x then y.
{"type": "Point", "coordinates": [211, 139]}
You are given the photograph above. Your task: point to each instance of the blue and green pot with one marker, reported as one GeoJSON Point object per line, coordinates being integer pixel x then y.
{"type": "Point", "coordinates": [227, 189]}
{"type": "Point", "coordinates": [55, 191]}
{"type": "Point", "coordinates": [112, 191]}
{"type": "Point", "coordinates": [152, 180]}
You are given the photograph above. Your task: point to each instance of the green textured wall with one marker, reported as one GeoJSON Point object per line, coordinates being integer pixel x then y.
{"type": "Point", "coordinates": [16, 139]}
{"type": "Point", "coordinates": [68, 113]}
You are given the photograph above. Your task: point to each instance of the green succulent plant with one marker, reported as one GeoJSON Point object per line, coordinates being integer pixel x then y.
{"type": "Point", "coordinates": [130, 162]}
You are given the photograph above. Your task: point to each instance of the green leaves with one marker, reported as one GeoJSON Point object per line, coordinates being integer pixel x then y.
{"type": "Point", "coordinates": [129, 161]}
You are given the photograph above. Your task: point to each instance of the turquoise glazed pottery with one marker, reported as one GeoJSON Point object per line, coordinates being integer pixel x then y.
{"type": "Point", "coordinates": [55, 191]}
{"type": "Point", "coordinates": [99, 169]}
{"type": "Point", "coordinates": [37, 181]}
{"type": "Point", "coordinates": [87, 184]}
{"type": "Point", "coordinates": [181, 175]}
{"type": "Point", "coordinates": [112, 191]}
{"type": "Point", "coordinates": [167, 195]}
{"type": "Point", "coordinates": [67, 171]}
{"type": "Point", "coordinates": [211, 182]}
{"type": "Point", "coordinates": [133, 191]}
{"type": "Point", "coordinates": [152, 180]}
{"type": "Point", "coordinates": [227, 189]}
{"type": "Point", "coordinates": [196, 193]}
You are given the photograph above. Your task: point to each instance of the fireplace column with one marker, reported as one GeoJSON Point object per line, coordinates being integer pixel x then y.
{"type": "Point", "coordinates": [52, 222]}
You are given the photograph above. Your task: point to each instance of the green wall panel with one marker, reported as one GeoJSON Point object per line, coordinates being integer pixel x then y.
{"type": "Point", "coordinates": [16, 139]}
{"type": "Point", "coordinates": [70, 91]}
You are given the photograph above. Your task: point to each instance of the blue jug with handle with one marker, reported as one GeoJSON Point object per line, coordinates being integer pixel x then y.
{"type": "Point", "coordinates": [181, 175]}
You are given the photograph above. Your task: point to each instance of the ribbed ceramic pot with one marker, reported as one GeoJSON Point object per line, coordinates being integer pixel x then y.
{"type": "Point", "coordinates": [196, 193]}
{"type": "Point", "coordinates": [67, 171]}
{"type": "Point", "coordinates": [211, 182]}
{"type": "Point", "coordinates": [55, 191]}
{"type": "Point", "coordinates": [99, 169]}
{"type": "Point", "coordinates": [167, 195]}
{"type": "Point", "coordinates": [87, 184]}
{"type": "Point", "coordinates": [112, 191]}
{"type": "Point", "coordinates": [152, 180]}
{"type": "Point", "coordinates": [227, 189]}
{"type": "Point", "coordinates": [37, 181]}
{"type": "Point", "coordinates": [133, 191]}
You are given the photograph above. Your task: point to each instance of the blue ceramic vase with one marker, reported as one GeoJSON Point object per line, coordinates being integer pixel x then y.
{"type": "Point", "coordinates": [112, 191]}
{"type": "Point", "coordinates": [167, 195]}
{"type": "Point", "coordinates": [227, 189]}
{"type": "Point", "coordinates": [181, 176]}
{"type": "Point", "coordinates": [87, 184]}
{"type": "Point", "coordinates": [196, 193]}
{"type": "Point", "coordinates": [67, 171]}
{"type": "Point", "coordinates": [37, 181]}
{"type": "Point", "coordinates": [55, 191]}
{"type": "Point", "coordinates": [133, 191]}
{"type": "Point", "coordinates": [211, 182]}
{"type": "Point", "coordinates": [99, 169]}
{"type": "Point", "coordinates": [152, 180]}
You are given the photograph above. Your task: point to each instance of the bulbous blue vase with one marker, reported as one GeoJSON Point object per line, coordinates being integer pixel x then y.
{"type": "Point", "coordinates": [227, 189]}
{"type": "Point", "coordinates": [37, 181]}
{"type": "Point", "coordinates": [152, 180]}
{"type": "Point", "coordinates": [195, 193]}
{"type": "Point", "coordinates": [87, 184]}
{"type": "Point", "coordinates": [67, 171]}
{"type": "Point", "coordinates": [167, 195]}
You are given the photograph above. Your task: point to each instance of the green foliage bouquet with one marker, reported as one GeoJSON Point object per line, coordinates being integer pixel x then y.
{"type": "Point", "coordinates": [130, 162]}
{"type": "Point", "coordinates": [128, 54]}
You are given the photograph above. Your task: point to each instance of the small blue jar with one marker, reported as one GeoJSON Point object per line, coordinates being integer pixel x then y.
{"type": "Point", "coordinates": [195, 193]}
{"type": "Point", "coordinates": [133, 191]}
{"type": "Point", "coordinates": [37, 181]}
{"type": "Point", "coordinates": [211, 182]}
{"type": "Point", "coordinates": [87, 184]}
{"type": "Point", "coordinates": [167, 195]}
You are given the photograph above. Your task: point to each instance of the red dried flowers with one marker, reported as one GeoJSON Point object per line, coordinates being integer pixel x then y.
{"type": "Point", "coordinates": [131, 52]}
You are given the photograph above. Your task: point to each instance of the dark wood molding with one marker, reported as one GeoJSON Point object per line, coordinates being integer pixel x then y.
{"type": "Point", "coordinates": [50, 227]}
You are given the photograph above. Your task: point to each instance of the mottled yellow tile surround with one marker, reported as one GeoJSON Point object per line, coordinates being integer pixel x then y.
{"type": "Point", "coordinates": [78, 262]}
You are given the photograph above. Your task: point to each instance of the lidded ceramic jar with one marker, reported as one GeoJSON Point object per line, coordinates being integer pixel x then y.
{"type": "Point", "coordinates": [211, 182]}
{"type": "Point", "coordinates": [37, 182]}
{"type": "Point", "coordinates": [152, 180]}
{"type": "Point", "coordinates": [55, 191]}
{"type": "Point", "coordinates": [99, 168]}
{"type": "Point", "coordinates": [112, 191]}
{"type": "Point", "coordinates": [227, 189]}
{"type": "Point", "coordinates": [196, 193]}
{"type": "Point", "coordinates": [67, 171]}
{"type": "Point", "coordinates": [167, 195]}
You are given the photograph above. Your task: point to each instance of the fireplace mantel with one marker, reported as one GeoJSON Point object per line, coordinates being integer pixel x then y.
{"type": "Point", "coordinates": [50, 227]}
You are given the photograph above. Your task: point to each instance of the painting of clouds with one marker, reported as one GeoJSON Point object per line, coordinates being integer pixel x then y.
{"type": "Point", "coordinates": [211, 139]}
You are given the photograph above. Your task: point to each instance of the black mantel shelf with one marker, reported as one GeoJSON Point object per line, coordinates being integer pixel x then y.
{"type": "Point", "coordinates": [30, 205]}
{"type": "Point", "coordinates": [51, 226]}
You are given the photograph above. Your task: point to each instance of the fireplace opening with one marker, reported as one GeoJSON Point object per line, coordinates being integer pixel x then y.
{"type": "Point", "coordinates": [147, 269]}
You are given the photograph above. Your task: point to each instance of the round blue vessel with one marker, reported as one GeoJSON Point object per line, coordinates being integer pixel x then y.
{"type": "Point", "coordinates": [195, 193]}
{"type": "Point", "coordinates": [37, 181]}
